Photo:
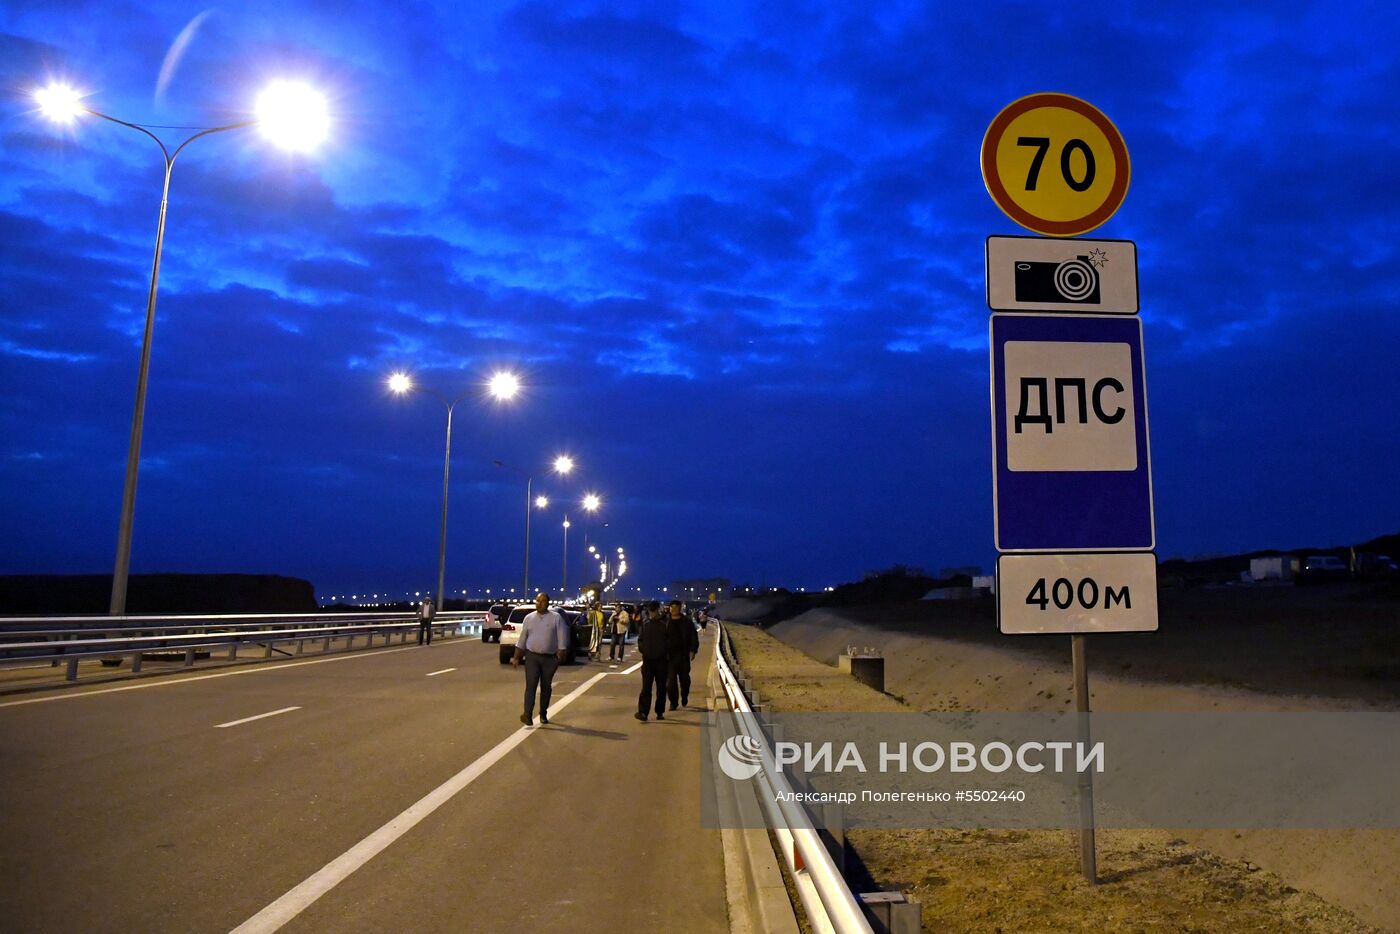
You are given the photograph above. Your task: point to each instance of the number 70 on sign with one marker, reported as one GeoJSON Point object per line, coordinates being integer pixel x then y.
{"type": "Point", "coordinates": [1055, 164]}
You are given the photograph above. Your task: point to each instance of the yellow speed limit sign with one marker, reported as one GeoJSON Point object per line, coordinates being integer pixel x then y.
{"type": "Point", "coordinates": [1055, 164]}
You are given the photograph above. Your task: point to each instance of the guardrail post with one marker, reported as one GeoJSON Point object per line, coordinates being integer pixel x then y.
{"type": "Point", "coordinates": [72, 674]}
{"type": "Point", "coordinates": [893, 912]}
{"type": "Point", "coordinates": [268, 653]}
{"type": "Point", "coordinates": [136, 662]}
{"type": "Point", "coordinates": [189, 657]}
{"type": "Point", "coordinates": [301, 646]}
{"type": "Point", "coordinates": [327, 646]}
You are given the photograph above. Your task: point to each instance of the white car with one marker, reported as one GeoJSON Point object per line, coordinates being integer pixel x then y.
{"type": "Point", "coordinates": [491, 627]}
{"type": "Point", "coordinates": [510, 630]}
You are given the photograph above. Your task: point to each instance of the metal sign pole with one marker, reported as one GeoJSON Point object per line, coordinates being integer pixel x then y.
{"type": "Point", "coordinates": [1087, 861]}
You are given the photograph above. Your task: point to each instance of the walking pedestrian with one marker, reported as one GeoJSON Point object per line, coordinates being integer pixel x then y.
{"type": "Point", "coordinates": [426, 612]}
{"type": "Point", "coordinates": [619, 623]}
{"type": "Point", "coordinates": [544, 640]}
{"type": "Point", "coordinates": [651, 642]}
{"type": "Point", "coordinates": [682, 645]}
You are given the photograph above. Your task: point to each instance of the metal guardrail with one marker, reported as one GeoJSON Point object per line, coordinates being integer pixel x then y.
{"type": "Point", "coordinates": [828, 901]}
{"type": "Point", "coordinates": [26, 640]}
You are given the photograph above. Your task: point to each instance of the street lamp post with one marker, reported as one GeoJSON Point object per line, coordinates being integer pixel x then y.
{"type": "Point", "coordinates": [561, 465]}
{"type": "Point", "coordinates": [591, 504]}
{"type": "Point", "coordinates": [292, 114]}
{"type": "Point", "coordinates": [502, 386]}
{"type": "Point", "coordinates": [564, 590]}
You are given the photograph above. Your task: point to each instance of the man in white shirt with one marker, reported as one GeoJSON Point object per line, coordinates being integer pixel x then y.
{"type": "Point", "coordinates": [543, 644]}
{"type": "Point", "coordinates": [619, 622]}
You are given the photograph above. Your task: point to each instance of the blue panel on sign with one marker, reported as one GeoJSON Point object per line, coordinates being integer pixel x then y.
{"type": "Point", "coordinates": [1071, 465]}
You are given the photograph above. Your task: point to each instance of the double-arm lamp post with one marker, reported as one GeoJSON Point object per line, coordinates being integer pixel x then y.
{"type": "Point", "coordinates": [502, 386]}
{"type": "Point", "coordinates": [562, 466]}
{"type": "Point", "coordinates": [592, 502]}
{"type": "Point", "coordinates": [291, 115]}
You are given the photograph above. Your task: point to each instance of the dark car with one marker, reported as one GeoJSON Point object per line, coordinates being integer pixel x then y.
{"type": "Point", "coordinates": [1323, 569]}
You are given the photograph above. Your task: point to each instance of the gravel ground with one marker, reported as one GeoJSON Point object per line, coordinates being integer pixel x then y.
{"type": "Point", "coordinates": [1029, 881]}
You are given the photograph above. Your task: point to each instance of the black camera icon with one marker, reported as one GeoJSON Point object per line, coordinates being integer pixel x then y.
{"type": "Point", "coordinates": [1072, 281]}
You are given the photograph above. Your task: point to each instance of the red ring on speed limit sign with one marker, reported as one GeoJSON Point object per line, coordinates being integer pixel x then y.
{"type": "Point", "coordinates": [1015, 208]}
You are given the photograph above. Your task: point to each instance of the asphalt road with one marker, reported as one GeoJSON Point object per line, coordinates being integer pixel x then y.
{"type": "Point", "coordinates": [397, 795]}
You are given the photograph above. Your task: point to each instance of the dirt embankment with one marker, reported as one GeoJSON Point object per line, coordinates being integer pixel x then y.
{"type": "Point", "coordinates": [990, 880]}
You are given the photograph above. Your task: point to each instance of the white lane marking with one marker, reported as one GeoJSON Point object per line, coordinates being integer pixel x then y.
{"type": "Point", "coordinates": [270, 713]}
{"type": "Point", "coordinates": [262, 669]}
{"type": "Point", "coordinates": [442, 672]}
{"type": "Point", "coordinates": [627, 671]}
{"type": "Point", "coordinates": [298, 899]}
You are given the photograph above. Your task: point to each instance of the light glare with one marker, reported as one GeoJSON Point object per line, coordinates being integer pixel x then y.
{"type": "Point", "coordinates": [592, 501]}
{"type": "Point", "coordinates": [293, 116]}
{"type": "Point", "coordinates": [400, 383]}
{"type": "Point", "coordinates": [504, 385]}
{"type": "Point", "coordinates": [541, 502]}
{"type": "Point", "coordinates": [60, 103]}
{"type": "Point", "coordinates": [563, 463]}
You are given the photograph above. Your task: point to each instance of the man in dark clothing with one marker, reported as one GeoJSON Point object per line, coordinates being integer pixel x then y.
{"type": "Point", "coordinates": [651, 643]}
{"type": "Point", "coordinates": [682, 644]}
{"type": "Point", "coordinates": [426, 611]}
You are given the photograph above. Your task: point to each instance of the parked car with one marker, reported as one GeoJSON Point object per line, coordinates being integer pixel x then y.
{"type": "Point", "coordinates": [1320, 569]}
{"type": "Point", "coordinates": [1373, 566]}
{"type": "Point", "coordinates": [491, 623]}
{"type": "Point", "coordinates": [510, 631]}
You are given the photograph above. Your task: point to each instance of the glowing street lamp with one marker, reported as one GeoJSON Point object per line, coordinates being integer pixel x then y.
{"type": "Point", "coordinates": [293, 116]}
{"type": "Point", "coordinates": [503, 385]}
{"type": "Point", "coordinates": [564, 589]}
{"type": "Point", "coordinates": [290, 114]}
{"type": "Point", "coordinates": [561, 465]}
{"type": "Point", "coordinates": [591, 503]}
{"type": "Point", "coordinates": [401, 384]}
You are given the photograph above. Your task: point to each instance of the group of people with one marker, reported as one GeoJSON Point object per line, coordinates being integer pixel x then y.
{"type": "Point", "coordinates": [668, 642]}
{"type": "Point", "coordinates": [603, 627]}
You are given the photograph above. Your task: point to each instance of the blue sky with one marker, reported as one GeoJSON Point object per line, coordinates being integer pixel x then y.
{"type": "Point", "coordinates": [735, 251]}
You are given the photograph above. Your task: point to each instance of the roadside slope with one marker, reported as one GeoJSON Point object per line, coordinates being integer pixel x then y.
{"type": "Point", "coordinates": [989, 880]}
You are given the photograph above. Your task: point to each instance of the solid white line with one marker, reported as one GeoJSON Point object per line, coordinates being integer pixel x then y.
{"type": "Point", "coordinates": [270, 713]}
{"type": "Point", "coordinates": [443, 672]}
{"type": "Point", "coordinates": [260, 669]}
{"type": "Point", "coordinates": [337, 870]}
